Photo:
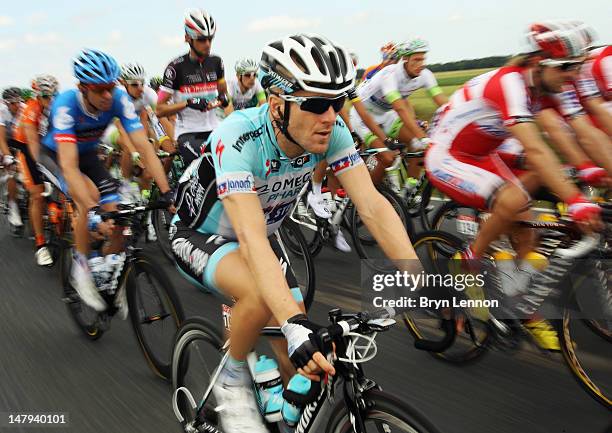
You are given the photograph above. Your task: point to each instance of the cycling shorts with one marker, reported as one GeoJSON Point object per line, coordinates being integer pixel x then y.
{"type": "Point", "coordinates": [198, 254]}
{"type": "Point", "coordinates": [191, 145]}
{"type": "Point", "coordinates": [28, 166]}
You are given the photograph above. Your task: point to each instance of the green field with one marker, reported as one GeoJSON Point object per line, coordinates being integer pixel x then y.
{"type": "Point", "coordinates": [449, 82]}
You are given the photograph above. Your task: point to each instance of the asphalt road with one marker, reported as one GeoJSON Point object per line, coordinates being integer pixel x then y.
{"type": "Point", "coordinates": [46, 365]}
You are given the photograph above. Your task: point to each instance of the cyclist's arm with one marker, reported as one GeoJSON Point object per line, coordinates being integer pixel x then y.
{"type": "Point", "coordinates": [378, 215]}
{"type": "Point", "coordinates": [164, 108]}
{"type": "Point", "coordinates": [124, 138]}
{"type": "Point", "coordinates": [596, 143]}
{"type": "Point", "coordinates": [68, 158]}
{"type": "Point", "coordinates": [404, 110]}
{"type": "Point", "coordinates": [3, 143]}
{"type": "Point", "coordinates": [33, 141]}
{"type": "Point", "coordinates": [229, 109]}
{"type": "Point", "coordinates": [152, 163]}
{"type": "Point", "coordinates": [440, 99]}
{"type": "Point", "coordinates": [552, 123]}
{"type": "Point", "coordinates": [596, 107]}
{"type": "Point", "coordinates": [543, 160]}
{"type": "Point", "coordinates": [248, 221]}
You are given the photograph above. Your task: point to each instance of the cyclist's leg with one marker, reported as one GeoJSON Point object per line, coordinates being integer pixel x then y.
{"type": "Point", "coordinates": [11, 183]}
{"type": "Point", "coordinates": [403, 134]}
{"type": "Point", "coordinates": [33, 182]}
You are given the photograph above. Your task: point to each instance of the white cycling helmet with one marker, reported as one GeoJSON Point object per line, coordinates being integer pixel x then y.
{"type": "Point", "coordinates": [45, 85]}
{"type": "Point", "coordinates": [133, 71]}
{"type": "Point", "coordinates": [556, 40]}
{"type": "Point", "coordinates": [245, 65]}
{"type": "Point", "coordinates": [408, 48]}
{"type": "Point", "coordinates": [306, 62]}
{"type": "Point", "coordinates": [198, 23]}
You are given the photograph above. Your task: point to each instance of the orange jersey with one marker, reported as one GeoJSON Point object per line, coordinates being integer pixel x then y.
{"type": "Point", "coordinates": [28, 115]}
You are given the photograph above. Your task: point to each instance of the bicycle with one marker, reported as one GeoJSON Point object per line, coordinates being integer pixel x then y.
{"type": "Point", "coordinates": [478, 331]}
{"type": "Point", "coordinates": [362, 406]}
{"type": "Point", "coordinates": [151, 309]}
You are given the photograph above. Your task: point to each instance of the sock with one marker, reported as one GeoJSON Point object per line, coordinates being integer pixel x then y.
{"type": "Point", "coordinates": [40, 241]}
{"type": "Point", "coordinates": [316, 188]}
{"type": "Point", "coordinates": [234, 373]}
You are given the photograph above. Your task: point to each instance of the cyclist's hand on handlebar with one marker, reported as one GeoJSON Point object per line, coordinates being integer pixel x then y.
{"type": "Point", "coordinates": [357, 140]}
{"type": "Point", "coordinates": [199, 104]}
{"type": "Point", "coordinates": [305, 346]}
{"type": "Point", "coordinates": [393, 144]}
{"type": "Point", "coordinates": [420, 143]}
{"type": "Point", "coordinates": [167, 200]}
{"type": "Point", "coordinates": [591, 174]}
{"type": "Point", "coordinates": [8, 160]}
{"type": "Point", "coordinates": [585, 213]}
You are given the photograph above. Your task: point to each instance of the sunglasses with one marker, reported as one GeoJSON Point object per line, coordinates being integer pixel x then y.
{"type": "Point", "coordinates": [48, 96]}
{"type": "Point", "coordinates": [101, 88]}
{"type": "Point", "coordinates": [204, 38]}
{"type": "Point", "coordinates": [566, 67]}
{"type": "Point", "coordinates": [135, 83]}
{"type": "Point", "coordinates": [563, 65]}
{"type": "Point", "coordinates": [316, 104]}
{"type": "Point", "coordinates": [249, 74]}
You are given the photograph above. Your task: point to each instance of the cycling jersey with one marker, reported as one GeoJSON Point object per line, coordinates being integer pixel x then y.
{"type": "Point", "coordinates": [600, 68]}
{"type": "Point", "coordinates": [31, 114]}
{"type": "Point", "coordinates": [8, 120]}
{"type": "Point", "coordinates": [247, 159]}
{"type": "Point", "coordinates": [392, 83]}
{"type": "Point", "coordinates": [148, 98]}
{"type": "Point", "coordinates": [72, 123]}
{"type": "Point", "coordinates": [248, 99]}
{"type": "Point", "coordinates": [186, 78]}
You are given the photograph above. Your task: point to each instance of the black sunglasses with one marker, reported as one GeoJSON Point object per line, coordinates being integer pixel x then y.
{"type": "Point", "coordinates": [569, 66]}
{"type": "Point", "coordinates": [204, 38]}
{"type": "Point", "coordinates": [316, 104]}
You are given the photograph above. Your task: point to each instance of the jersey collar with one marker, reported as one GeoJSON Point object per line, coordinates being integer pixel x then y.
{"type": "Point", "coordinates": [83, 107]}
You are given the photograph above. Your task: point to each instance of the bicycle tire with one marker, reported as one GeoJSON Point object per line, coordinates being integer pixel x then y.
{"type": "Point", "coordinates": [455, 354]}
{"type": "Point", "coordinates": [195, 329]}
{"type": "Point", "coordinates": [383, 408]}
{"type": "Point", "coordinates": [290, 233]}
{"type": "Point", "coordinates": [170, 308]}
{"type": "Point", "coordinates": [160, 218]}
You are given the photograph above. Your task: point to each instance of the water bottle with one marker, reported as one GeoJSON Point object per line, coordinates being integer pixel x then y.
{"type": "Point", "coordinates": [269, 386]}
{"type": "Point", "coordinates": [97, 265]}
{"type": "Point", "coordinates": [114, 265]}
{"type": "Point", "coordinates": [299, 385]}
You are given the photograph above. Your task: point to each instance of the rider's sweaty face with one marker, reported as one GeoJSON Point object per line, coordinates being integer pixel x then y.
{"type": "Point", "coordinates": [311, 130]}
{"type": "Point", "coordinates": [415, 64]}
{"type": "Point", "coordinates": [135, 88]}
{"type": "Point", "coordinates": [202, 46]}
{"type": "Point", "coordinates": [554, 78]}
{"type": "Point", "coordinates": [247, 80]}
{"type": "Point", "coordinates": [101, 97]}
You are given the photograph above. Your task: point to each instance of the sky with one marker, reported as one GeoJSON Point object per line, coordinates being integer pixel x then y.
{"type": "Point", "coordinates": [42, 36]}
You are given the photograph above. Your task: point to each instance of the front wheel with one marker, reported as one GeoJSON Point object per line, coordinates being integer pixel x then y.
{"type": "Point", "coordinates": [155, 312]}
{"type": "Point", "coordinates": [383, 413]}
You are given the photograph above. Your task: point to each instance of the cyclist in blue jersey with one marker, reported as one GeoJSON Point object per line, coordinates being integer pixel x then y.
{"type": "Point", "coordinates": [262, 157]}
{"type": "Point", "coordinates": [69, 158]}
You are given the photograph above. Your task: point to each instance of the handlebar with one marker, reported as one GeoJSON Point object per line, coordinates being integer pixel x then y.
{"type": "Point", "coordinates": [129, 210]}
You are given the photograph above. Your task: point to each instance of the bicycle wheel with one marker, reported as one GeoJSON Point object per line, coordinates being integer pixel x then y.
{"type": "Point", "coordinates": [588, 355]}
{"type": "Point", "coordinates": [196, 355]}
{"type": "Point", "coordinates": [384, 413]}
{"type": "Point", "coordinates": [304, 217]}
{"type": "Point", "coordinates": [155, 312]}
{"type": "Point", "coordinates": [88, 320]}
{"type": "Point", "coordinates": [300, 259]}
{"type": "Point", "coordinates": [435, 249]}
{"type": "Point", "coordinates": [161, 219]}
{"type": "Point", "coordinates": [365, 244]}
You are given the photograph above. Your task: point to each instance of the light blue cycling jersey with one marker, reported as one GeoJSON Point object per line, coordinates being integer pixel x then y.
{"type": "Point", "coordinates": [70, 122]}
{"type": "Point", "coordinates": [247, 159]}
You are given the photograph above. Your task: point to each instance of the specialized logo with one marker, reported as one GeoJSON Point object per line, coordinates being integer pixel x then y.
{"type": "Point", "coordinates": [219, 148]}
{"type": "Point", "coordinates": [62, 119]}
{"type": "Point", "coordinates": [250, 135]}
{"type": "Point", "coordinates": [271, 78]}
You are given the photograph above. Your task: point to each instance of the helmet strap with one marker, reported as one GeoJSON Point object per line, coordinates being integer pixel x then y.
{"type": "Point", "coordinates": [283, 125]}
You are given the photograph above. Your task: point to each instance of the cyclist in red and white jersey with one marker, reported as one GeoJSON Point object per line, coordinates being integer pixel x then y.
{"type": "Point", "coordinates": [465, 163]}
{"type": "Point", "coordinates": [595, 87]}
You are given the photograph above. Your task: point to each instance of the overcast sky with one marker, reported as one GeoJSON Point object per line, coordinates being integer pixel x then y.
{"type": "Point", "coordinates": [41, 36]}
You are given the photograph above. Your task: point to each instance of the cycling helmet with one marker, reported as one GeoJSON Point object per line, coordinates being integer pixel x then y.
{"type": "Point", "coordinates": [556, 40]}
{"type": "Point", "coordinates": [408, 48]}
{"type": "Point", "coordinates": [245, 65]}
{"type": "Point", "coordinates": [11, 94]}
{"type": "Point", "coordinates": [95, 67]}
{"type": "Point", "coordinates": [198, 23]}
{"type": "Point", "coordinates": [354, 57]}
{"type": "Point", "coordinates": [45, 85]}
{"type": "Point", "coordinates": [132, 71]}
{"type": "Point", "coordinates": [155, 82]}
{"type": "Point", "coordinates": [306, 62]}
{"type": "Point", "coordinates": [387, 51]}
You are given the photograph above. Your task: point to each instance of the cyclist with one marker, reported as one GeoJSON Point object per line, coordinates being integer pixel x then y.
{"type": "Point", "coordinates": [262, 157]}
{"type": "Point", "coordinates": [245, 91]}
{"type": "Point", "coordinates": [69, 158]}
{"type": "Point", "coordinates": [387, 53]}
{"type": "Point", "coordinates": [385, 96]}
{"type": "Point", "coordinates": [32, 124]}
{"type": "Point", "coordinates": [12, 103]}
{"type": "Point", "coordinates": [155, 82]}
{"type": "Point", "coordinates": [595, 87]}
{"type": "Point", "coordinates": [196, 83]}
{"type": "Point", "coordinates": [464, 163]}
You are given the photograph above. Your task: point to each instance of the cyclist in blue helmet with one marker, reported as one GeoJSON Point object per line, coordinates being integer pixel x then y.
{"type": "Point", "coordinates": [69, 158]}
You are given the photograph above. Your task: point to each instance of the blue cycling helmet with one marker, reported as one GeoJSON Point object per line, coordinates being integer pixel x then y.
{"type": "Point", "coordinates": [95, 67]}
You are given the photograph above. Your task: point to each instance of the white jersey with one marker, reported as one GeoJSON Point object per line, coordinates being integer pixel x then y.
{"type": "Point", "coordinates": [244, 100]}
{"type": "Point", "coordinates": [148, 98]}
{"type": "Point", "coordinates": [390, 84]}
{"type": "Point", "coordinates": [7, 119]}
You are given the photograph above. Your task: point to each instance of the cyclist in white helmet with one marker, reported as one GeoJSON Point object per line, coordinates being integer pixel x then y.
{"type": "Point", "coordinates": [385, 96]}
{"type": "Point", "coordinates": [245, 91]}
{"type": "Point", "coordinates": [262, 157]}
